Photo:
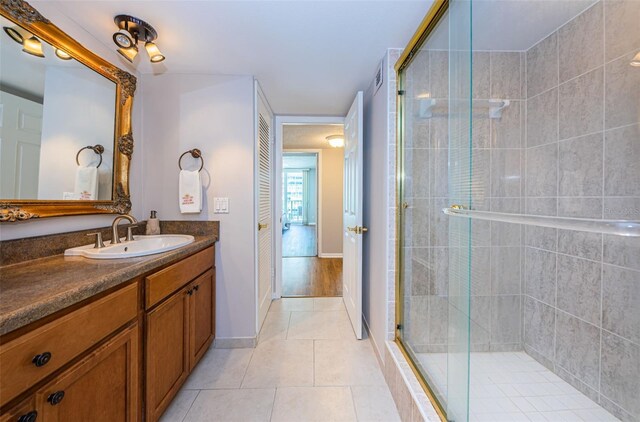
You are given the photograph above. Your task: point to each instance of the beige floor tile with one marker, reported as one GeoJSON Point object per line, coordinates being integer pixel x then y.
{"type": "Point", "coordinates": [320, 325]}
{"type": "Point", "coordinates": [328, 304]}
{"type": "Point", "coordinates": [220, 368]}
{"type": "Point", "coordinates": [279, 363]}
{"type": "Point", "coordinates": [287, 304]}
{"type": "Point", "coordinates": [275, 326]}
{"type": "Point", "coordinates": [322, 404]}
{"type": "Point", "coordinates": [346, 362]}
{"type": "Point", "coordinates": [179, 406]}
{"type": "Point", "coordinates": [232, 405]}
{"type": "Point", "coordinates": [374, 404]}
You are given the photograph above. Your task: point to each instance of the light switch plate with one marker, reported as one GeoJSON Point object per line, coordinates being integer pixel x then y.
{"type": "Point", "coordinates": [221, 205]}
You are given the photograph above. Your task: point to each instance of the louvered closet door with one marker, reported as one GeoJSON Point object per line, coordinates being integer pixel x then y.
{"type": "Point", "coordinates": [264, 211]}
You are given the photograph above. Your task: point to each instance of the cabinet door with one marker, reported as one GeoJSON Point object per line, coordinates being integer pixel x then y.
{"type": "Point", "coordinates": [202, 316]}
{"type": "Point", "coordinates": [103, 387]}
{"type": "Point", "coordinates": [23, 412]}
{"type": "Point", "coordinates": [167, 352]}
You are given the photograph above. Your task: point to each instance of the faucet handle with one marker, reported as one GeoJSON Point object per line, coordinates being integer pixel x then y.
{"type": "Point", "coordinates": [130, 232]}
{"type": "Point", "coordinates": [98, 243]}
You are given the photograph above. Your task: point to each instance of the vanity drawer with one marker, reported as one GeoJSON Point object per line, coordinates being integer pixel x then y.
{"type": "Point", "coordinates": [61, 340]}
{"type": "Point", "coordinates": [161, 284]}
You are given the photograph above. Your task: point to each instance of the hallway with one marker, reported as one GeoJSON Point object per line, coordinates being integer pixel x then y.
{"type": "Point", "coordinates": [292, 375]}
{"type": "Point", "coordinates": [313, 277]}
{"type": "Point", "coordinates": [299, 240]}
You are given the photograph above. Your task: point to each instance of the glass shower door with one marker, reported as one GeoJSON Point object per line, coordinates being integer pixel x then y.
{"type": "Point", "coordinates": [435, 160]}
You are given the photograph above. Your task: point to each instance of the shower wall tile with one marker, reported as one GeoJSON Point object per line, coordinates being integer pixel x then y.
{"type": "Point", "coordinates": [575, 351]}
{"type": "Point", "coordinates": [622, 208]}
{"type": "Point", "coordinates": [580, 166]}
{"type": "Point", "coordinates": [505, 319]}
{"type": "Point", "coordinates": [541, 237]}
{"type": "Point", "coordinates": [539, 327]}
{"type": "Point", "coordinates": [542, 66]}
{"type": "Point", "coordinates": [620, 299]}
{"type": "Point", "coordinates": [622, 85]}
{"type": "Point", "coordinates": [621, 158]}
{"type": "Point", "coordinates": [580, 43]}
{"type": "Point", "coordinates": [580, 244]}
{"type": "Point", "coordinates": [541, 170]}
{"type": "Point", "coordinates": [439, 73]}
{"type": "Point", "coordinates": [420, 173]}
{"type": "Point", "coordinates": [620, 376]}
{"type": "Point", "coordinates": [540, 275]}
{"type": "Point", "coordinates": [579, 288]}
{"type": "Point", "coordinates": [480, 271]}
{"type": "Point", "coordinates": [506, 234]}
{"type": "Point", "coordinates": [438, 320]}
{"type": "Point", "coordinates": [622, 32]}
{"type": "Point", "coordinates": [481, 320]}
{"type": "Point", "coordinates": [622, 251]}
{"type": "Point", "coordinates": [506, 132]}
{"type": "Point", "coordinates": [542, 118]}
{"type": "Point", "coordinates": [541, 206]}
{"type": "Point", "coordinates": [505, 270]}
{"type": "Point", "coordinates": [580, 207]}
{"type": "Point", "coordinates": [580, 105]}
{"type": "Point", "coordinates": [481, 75]}
{"type": "Point", "coordinates": [505, 75]}
{"type": "Point", "coordinates": [506, 171]}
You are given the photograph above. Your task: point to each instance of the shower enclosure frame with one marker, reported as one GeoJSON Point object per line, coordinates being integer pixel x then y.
{"type": "Point", "coordinates": [427, 26]}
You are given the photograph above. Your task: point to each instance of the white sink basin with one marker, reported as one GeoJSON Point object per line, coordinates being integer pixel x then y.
{"type": "Point", "coordinates": [141, 246]}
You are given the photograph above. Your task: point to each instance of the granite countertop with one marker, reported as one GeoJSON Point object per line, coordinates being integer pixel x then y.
{"type": "Point", "coordinates": [37, 288]}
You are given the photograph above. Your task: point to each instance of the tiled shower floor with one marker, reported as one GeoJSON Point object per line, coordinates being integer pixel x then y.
{"type": "Point", "coordinates": [514, 387]}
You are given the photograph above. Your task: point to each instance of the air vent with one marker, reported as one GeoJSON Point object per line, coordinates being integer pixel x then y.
{"type": "Point", "coordinates": [379, 77]}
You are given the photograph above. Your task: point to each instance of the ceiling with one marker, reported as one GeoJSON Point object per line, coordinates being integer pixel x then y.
{"type": "Point", "coordinates": [310, 56]}
{"type": "Point", "coordinates": [299, 161]}
{"type": "Point", "coordinates": [309, 136]}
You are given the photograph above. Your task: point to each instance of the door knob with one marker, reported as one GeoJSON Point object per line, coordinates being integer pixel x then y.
{"type": "Point", "coordinates": [353, 229]}
{"type": "Point", "coordinates": [262, 226]}
{"type": "Point", "coordinates": [363, 230]}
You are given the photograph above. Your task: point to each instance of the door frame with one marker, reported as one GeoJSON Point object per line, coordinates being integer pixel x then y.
{"type": "Point", "coordinates": [257, 97]}
{"type": "Point", "coordinates": [277, 191]}
{"type": "Point", "coordinates": [318, 154]}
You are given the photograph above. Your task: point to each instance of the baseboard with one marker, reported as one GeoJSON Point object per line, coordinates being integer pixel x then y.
{"type": "Point", "coordinates": [235, 343]}
{"type": "Point", "coordinates": [329, 255]}
{"type": "Point", "coordinates": [376, 350]}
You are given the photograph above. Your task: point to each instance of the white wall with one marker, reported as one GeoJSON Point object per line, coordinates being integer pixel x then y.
{"type": "Point", "coordinates": [215, 114]}
{"type": "Point", "coordinates": [331, 174]}
{"type": "Point", "coordinates": [378, 274]}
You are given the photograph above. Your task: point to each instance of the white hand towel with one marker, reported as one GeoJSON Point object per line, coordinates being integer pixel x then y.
{"type": "Point", "coordinates": [86, 186]}
{"type": "Point", "coordinates": [190, 191]}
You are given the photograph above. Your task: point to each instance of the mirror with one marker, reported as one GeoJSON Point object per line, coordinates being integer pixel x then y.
{"type": "Point", "coordinates": [65, 122]}
{"type": "Point", "coordinates": [53, 108]}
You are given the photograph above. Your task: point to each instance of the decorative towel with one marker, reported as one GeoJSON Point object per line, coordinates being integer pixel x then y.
{"type": "Point", "coordinates": [190, 191]}
{"type": "Point", "coordinates": [86, 186]}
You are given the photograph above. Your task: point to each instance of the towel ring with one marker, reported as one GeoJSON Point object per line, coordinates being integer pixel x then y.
{"type": "Point", "coordinates": [98, 149]}
{"type": "Point", "coordinates": [195, 153]}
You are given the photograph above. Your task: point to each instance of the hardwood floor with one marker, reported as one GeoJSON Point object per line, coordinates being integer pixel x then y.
{"type": "Point", "coordinates": [311, 277]}
{"type": "Point", "coordinates": [299, 241]}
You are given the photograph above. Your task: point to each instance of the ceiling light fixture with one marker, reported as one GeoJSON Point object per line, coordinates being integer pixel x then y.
{"type": "Point", "coordinates": [63, 55]}
{"type": "Point", "coordinates": [635, 62]}
{"type": "Point", "coordinates": [32, 46]}
{"type": "Point", "coordinates": [14, 33]}
{"type": "Point", "coordinates": [336, 141]}
{"type": "Point", "coordinates": [131, 32]}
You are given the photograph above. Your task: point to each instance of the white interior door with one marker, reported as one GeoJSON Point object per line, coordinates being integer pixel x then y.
{"type": "Point", "coordinates": [352, 218]}
{"type": "Point", "coordinates": [20, 133]}
{"type": "Point", "coordinates": [265, 226]}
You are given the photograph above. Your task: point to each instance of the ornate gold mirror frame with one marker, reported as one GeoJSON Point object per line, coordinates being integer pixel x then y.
{"type": "Point", "coordinates": [23, 14]}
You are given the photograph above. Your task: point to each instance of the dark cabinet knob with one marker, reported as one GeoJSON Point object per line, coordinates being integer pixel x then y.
{"type": "Point", "coordinates": [42, 359]}
{"type": "Point", "coordinates": [29, 417]}
{"type": "Point", "coordinates": [196, 287]}
{"type": "Point", "coordinates": [56, 397]}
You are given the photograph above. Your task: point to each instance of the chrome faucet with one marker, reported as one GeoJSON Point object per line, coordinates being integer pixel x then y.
{"type": "Point", "coordinates": [114, 228]}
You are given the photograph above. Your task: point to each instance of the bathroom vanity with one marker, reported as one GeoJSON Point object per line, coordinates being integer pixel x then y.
{"type": "Point", "coordinates": [110, 340]}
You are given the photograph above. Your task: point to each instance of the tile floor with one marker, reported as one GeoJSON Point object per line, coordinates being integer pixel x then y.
{"type": "Point", "coordinates": [515, 387]}
{"type": "Point", "coordinates": [307, 367]}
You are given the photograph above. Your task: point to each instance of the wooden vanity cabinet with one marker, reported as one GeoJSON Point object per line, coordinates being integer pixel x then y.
{"type": "Point", "coordinates": [179, 330]}
{"type": "Point", "coordinates": [103, 387]}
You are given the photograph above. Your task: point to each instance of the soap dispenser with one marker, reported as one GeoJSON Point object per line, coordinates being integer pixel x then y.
{"type": "Point", "coordinates": [153, 224]}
